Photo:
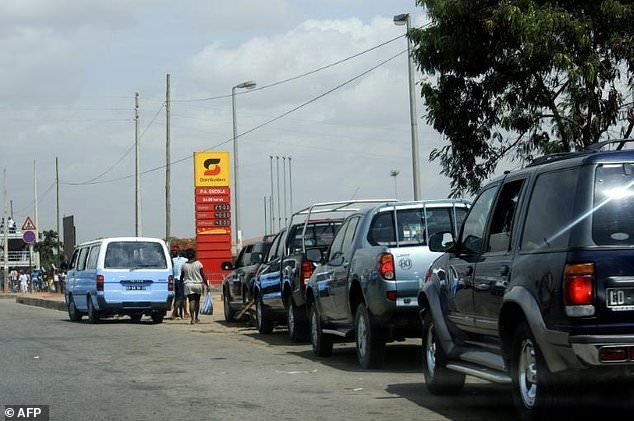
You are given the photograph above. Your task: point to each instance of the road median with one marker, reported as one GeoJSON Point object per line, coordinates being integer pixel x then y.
{"type": "Point", "coordinates": [51, 304]}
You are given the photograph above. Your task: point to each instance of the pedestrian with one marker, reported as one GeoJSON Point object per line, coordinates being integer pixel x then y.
{"type": "Point", "coordinates": [56, 280]}
{"type": "Point", "coordinates": [24, 280]}
{"type": "Point", "coordinates": [178, 260]}
{"type": "Point", "coordinates": [194, 279]}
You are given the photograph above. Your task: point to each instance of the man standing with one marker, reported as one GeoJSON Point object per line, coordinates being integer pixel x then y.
{"type": "Point", "coordinates": [179, 297]}
{"type": "Point", "coordinates": [24, 280]}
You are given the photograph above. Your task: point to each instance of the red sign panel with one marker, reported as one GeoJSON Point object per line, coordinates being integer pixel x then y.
{"type": "Point", "coordinates": [213, 199]}
{"type": "Point", "coordinates": [213, 191]}
{"type": "Point", "coordinates": [202, 207]}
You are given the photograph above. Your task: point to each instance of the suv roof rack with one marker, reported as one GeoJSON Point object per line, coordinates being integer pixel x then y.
{"type": "Point", "coordinates": [553, 157]}
{"type": "Point", "coordinates": [595, 147]}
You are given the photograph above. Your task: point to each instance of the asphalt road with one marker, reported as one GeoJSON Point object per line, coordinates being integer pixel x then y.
{"type": "Point", "coordinates": [118, 370]}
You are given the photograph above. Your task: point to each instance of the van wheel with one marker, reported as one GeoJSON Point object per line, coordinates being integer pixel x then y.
{"type": "Point", "coordinates": [533, 393]}
{"type": "Point", "coordinates": [136, 318]}
{"type": "Point", "coordinates": [322, 343]}
{"type": "Point", "coordinates": [262, 318]}
{"type": "Point", "coordinates": [73, 314]}
{"type": "Point", "coordinates": [93, 316]}
{"type": "Point", "coordinates": [229, 312]}
{"type": "Point", "coordinates": [297, 323]}
{"type": "Point", "coordinates": [157, 318]}
{"type": "Point", "coordinates": [438, 378]}
{"type": "Point", "coordinates": [370, 345]}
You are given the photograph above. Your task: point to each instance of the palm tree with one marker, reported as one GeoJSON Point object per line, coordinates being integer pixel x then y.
{"type": "Point", "coordinates": [395, 173]}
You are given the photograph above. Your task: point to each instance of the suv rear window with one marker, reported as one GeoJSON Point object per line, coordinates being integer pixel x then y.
{"type": "Point", "coordinates": [414, 226]}
{"type": "Point", "coordinates": [135, 255]}
{"type": "Point", "coordinates": [318, 234]}
{"type": "Point", "coordinates": [612, 222]}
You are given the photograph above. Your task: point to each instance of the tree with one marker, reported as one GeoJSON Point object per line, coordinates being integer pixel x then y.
{"type": "Point", "coordinates": [48, 248]}
{"type": "Point", "coordinates": [520, 78]}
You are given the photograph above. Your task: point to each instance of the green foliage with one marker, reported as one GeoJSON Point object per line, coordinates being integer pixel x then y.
{"type": "Point", "coordinates": [520, 78]}
{"type": "Point", "coordinates": [48, 248]}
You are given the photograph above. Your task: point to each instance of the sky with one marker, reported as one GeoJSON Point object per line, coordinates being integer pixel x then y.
{"type": "Point", "coordinates": [70, 68]}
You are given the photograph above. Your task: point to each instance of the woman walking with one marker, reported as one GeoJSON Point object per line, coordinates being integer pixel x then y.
{"type": "Point", "coordinates": [194, 279]}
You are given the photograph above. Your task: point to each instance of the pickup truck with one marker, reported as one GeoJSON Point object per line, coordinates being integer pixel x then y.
{"type": "Point", "coordinates": [366, 289]}
{"type": "Point", "coordinates": [237, 287]}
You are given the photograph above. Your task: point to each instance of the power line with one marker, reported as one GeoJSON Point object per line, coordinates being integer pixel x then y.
{"type": "Point", "coordinates": [126, 153]}
{"type": "Point", "coordinates": [319, 69]}
{"type": "Point", "coordinates": [268, 122]}
{"type": "Point", "coordinates": [39, 197]}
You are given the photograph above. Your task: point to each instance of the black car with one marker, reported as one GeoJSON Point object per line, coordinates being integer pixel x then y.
{"type": "Point", "coordinates": [537, 291]}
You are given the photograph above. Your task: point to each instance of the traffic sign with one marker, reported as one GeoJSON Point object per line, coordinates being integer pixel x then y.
{"type": "Point", "coordinates": [29, 237]}
{"type": "Point", "coordinates": [29, 225]}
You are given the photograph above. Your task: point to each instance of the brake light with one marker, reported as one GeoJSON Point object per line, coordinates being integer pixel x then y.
{"type": "Point", "coordinates": [99, 282]}
{"type": "Point", "coordinates": [391, 295]}
{"type": "Point", "coordinates": [428, 275]}
{"type": "Point", "coordinates": [386, 266]}
{"type": "Point", "coordinates": [579, 284]}
{"type": "Point", "coordinates": [306, 273]}
{"type": "Point", "coordinates": [613, 354]}
{"type": "Point", "coordinates": [170, 283]}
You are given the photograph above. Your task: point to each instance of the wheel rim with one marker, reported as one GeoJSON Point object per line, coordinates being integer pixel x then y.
{"type": "Point", "coordinates": [430, 352]}
{"type": "Point", "coordinates": [314, 334]}
{"type": "Point", "coordinates": [527, 369]}
{"type": "Point", "coordinates": [291, 320]}
{"type": "Point", "coordinates": [362, 335]}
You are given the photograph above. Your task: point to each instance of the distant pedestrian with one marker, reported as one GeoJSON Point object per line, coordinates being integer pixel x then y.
{"type": "Point", "coordinates": [178, 260]}
{"type": "Point", "coordinates": [56, 280]}
{"type": "Point", "coordinates": [24, 282]}
{"type": "Point", "coordinates": [194, 279]}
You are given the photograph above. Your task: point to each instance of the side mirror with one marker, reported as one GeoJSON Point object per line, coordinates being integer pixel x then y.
{"type": "Point", "coordinates": [441, 241]}
{"type": "Point", "coordinates": [338, 260]}
{"type": "Point", "coordinates": [226, 266]}
{"type": "Point", "coordinates": [256, 258]}
{"type": "Point", "coordinates": [313, 255]}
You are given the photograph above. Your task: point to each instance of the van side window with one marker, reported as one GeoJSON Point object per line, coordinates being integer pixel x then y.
{"type": "Point", "coordinates": [81, 261]}
{"type": "Point", "coordinates": [92, 258]}
{"type": "Point", "coordinates": [73, 260]}
{"type": "Point", "coordinates": [474, 225]}
{"type": "Point", "coordinates": [502, 223]}
{"type": "Point", "coordinates": [550, 211]}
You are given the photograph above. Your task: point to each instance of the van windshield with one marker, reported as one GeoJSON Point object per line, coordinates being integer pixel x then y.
{"type": "Point", "coordinates": [135, 255]}
{"type": "Point", "coordinates": [414, 226]}
{"type": "Point", "coordinates": [612, 222]}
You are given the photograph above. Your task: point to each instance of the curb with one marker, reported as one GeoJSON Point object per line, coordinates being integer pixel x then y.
{"type": "Point", "coordinates": [39, 302]}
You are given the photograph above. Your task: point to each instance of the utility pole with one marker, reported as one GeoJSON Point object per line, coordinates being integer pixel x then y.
{"type": "Point", "coordinates": [5, 231]}
{"type": "Point", "coordinates": [284, 178]}
{"type": "Point", "coordinates": [265, 218]}
{"type": "Point", "coordinates": [59, 251]}
{"type": "Point", "coordinates": [290, 183]}
{"type": "Point", "coordinates": [137, 178]}
{"type": "Point", "coordinates": [272, 196]}
{"type": "Point", "coordinates": [35, 213]}
{"type": "Point", "coordinates": [168, 170]}
{"type": "Point", "coordinates": [11, 209]}
{"type": "Point", "coordinates": [279, 205]}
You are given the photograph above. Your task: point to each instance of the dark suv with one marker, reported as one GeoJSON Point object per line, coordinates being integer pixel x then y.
{"type": "Point", "coordinates": [538, 289]}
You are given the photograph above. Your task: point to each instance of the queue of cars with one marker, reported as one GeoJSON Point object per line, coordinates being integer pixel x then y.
{"type": "Point", "coordinates": [532, 287]}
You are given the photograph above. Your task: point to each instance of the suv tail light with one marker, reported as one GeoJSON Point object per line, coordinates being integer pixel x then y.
{"type": "Point", "coordinates": [386, 266]}
{"type": "Point", "coordinates": [579, 289]}
{"type": "Point", "coordinates": [99, 282]}
{"type": "Point", "coordinates": [306, 273]}
{"type": "Point", "coordinates": [170, 283]}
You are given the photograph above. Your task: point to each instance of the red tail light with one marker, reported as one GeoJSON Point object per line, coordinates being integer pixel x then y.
{"type": "Point", "coordinates": [579, 284]}
{"type": "Point", "coordinates": [428, 275]}
{"type": "Point", "coordinates": [99, 282]}
{"type": "Point", "coordinates": [611, 354]}
{"type": "Point", "coordinates": [306, 273]}
{"type": "Point", "coordinates": [170, 283]}
{"type": "Point", "coordinates": [386, 266]}
{"type": "Point", "coordinates": [391, 295]}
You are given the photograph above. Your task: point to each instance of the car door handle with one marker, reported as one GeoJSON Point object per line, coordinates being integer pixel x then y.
{"type": "Point", "coordinates": [504, 270]}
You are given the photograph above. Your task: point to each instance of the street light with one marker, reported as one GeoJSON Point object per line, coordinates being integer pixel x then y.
{"type": "Point", "coordinates": [404, 19]}
{"type": "Point", "coordinates": [244, 85]}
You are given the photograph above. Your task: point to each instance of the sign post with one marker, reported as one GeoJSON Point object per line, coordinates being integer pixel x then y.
{"type": "Point", "coordinates": [213, 211]}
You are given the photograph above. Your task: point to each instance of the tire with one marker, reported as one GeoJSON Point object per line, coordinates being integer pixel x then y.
{"type": "Point", "coordinates": [369, 343]}
{"type": "Point", "coordinates": [229, 312]}
{"type": "Point", "coordinates": [438, 378]}
{"type": "Point", "coordinates": [157, 318]}
{"type": "Point", "coordinates": [533, 392]}
{"type": "Point", "coordinates": [73, 314]}
{"type": "Point", "coordinates": [322, 343]}
{"type": "Point", "coordinates": [136, 318]}
{"type": "Point", "coordinates": [93, 315]}
{"type": "Point", "coordinates": [262, 318]}
{"type": "Point", "coordinates": [297, 323]}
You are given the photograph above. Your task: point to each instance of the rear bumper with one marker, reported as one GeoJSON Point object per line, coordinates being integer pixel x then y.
{"type": "Point", "coordinates": [587, 348]}
{"type": "Point", "coordinates": [128, 307]}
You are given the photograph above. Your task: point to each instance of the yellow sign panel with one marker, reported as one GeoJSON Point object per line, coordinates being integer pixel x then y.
{"type": "Point", "coordinates": [211, 169]}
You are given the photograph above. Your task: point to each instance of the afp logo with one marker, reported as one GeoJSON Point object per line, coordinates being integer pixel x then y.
{"type": "Point", "coordinates": [211, 166]}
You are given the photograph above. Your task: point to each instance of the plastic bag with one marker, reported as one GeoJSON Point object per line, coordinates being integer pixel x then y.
{"type": "Point", "coordinates": [208, 304]}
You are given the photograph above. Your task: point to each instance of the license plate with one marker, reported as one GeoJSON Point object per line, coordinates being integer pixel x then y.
{"type": "Point", "coordinates": [135, 287]}
{"type": "Point", "coordinates": [620, 299]}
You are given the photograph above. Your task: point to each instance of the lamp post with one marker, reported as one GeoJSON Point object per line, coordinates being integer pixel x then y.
{"type": "Point", "coordinates": [394, 174]}
{"type": "Point", "coordinates": [405, 19]}
{"type": "Point", "coordinates": [244, 85]}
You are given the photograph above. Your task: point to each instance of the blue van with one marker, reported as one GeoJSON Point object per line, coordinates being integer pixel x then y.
{"type": "Point", "coordinates": [120, 276]}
